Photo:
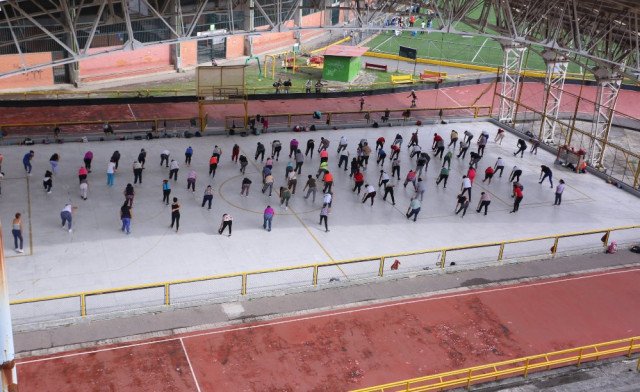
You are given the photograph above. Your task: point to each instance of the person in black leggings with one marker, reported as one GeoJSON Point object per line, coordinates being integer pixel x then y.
{"type": "Point", "coordinates": [175, 214]}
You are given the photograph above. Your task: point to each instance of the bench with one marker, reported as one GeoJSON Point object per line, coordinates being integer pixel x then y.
{"type": "Point", "coordinates": [438, 77]}
{"type": "Point", "coordinates": [402, 79]}
{"type": "Point", "coordinates": [378, 67]}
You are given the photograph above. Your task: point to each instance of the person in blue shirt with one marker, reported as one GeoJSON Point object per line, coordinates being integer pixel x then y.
{"type": "Point", "coordinates": [26, 161]}
{"type": "Point", "coordinates": [187, 156]}
{"type": "Point", "coordinates": [166, 191]}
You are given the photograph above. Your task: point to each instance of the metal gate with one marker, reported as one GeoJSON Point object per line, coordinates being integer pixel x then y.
{"type": "Point", "coordinates": [211, 48]}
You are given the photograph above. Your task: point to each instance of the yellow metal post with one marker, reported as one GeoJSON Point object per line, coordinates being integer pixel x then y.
{"type": "Point", "coordinates": [501, 252]}
{"type": "Point", "coordinates": [166, 294]}
{"type": "Point", "coordinates": [555, 245]}
{"type": "Point", "coordinates": [315, 275]}
{"type": "Point", "coordinates": [444, 256]}
{"type": "Point", "coordinates": [201, 113]}
{"type": "Point", "coordinates": [381, 271]}
{"type": "Point", "coordinates": [526, 367]}
{"type": "Point", "coordinates": [606, 238]}
{"type": "Point", "coordinates": [630, 347]}
{"type": "Point", "coordinates": [469, 379]}
{"type": "Point", "coordinates": [244, 284]}
{"type": "Point", "coordinates": [580, 357]}
{"type": "Point", "coordinates": [83, 305]}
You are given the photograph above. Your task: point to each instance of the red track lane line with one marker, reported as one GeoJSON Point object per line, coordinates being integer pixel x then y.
{"type": "Point", "coordinates": [343, 312]}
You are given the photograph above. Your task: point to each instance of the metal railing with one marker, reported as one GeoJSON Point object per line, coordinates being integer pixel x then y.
{"type": "Point", "coordinates": [307, 276]}
{"type": "Point", "coordinates": [192, 91]}
{"type": "Point", "coordinates": [365, 117]}
{"type": "Point", "coordinates": [515, 367]}
{"type": "Point", "coordinates": [87, 128]}
{"type": "Point", "coordinates": [619, 163]}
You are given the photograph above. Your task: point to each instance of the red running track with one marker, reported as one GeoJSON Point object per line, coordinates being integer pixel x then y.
{"type": "Point", "coordinates": [359, 347]}
{"type": "Point", "coordinates": [482, 94]}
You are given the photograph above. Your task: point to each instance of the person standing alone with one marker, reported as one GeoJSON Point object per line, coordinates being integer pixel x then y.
{"type": "Point", "coordinates": [559, 190]}
{"type": "Point", "coordinates": [16, 230]}
{"type": "Point", "coordinates": [175, 214]}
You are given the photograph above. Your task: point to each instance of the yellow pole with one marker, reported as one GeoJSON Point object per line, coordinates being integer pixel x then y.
{"type": "Point", "coordinates": [83, 305]}
{"type": "Point", "coordinates": [166, 294]}
{"type": "Point", "coordinates": [444, 256]}
{"type": "Point", "coordinates": [244, 284]}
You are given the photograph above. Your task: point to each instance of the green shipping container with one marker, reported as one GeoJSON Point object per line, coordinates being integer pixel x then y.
{"type": "Point", "coordinates": [342, 63]}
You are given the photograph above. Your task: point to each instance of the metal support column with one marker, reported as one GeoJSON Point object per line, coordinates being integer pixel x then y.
{"type": "Point", "coordinates": [606, 98]}
{"type": "Point", "coordinates": [510, 79]}
{"type": "Point", "coordinates": [8, 373]}
{"type": "Point", "coordinates": [248, 25]}
{"type": "Point", "coordinates": [554, 80]}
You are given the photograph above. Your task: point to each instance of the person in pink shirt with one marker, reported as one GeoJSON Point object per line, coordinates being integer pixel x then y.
{"type": "Point", "coordinates": [268, 217]}
{"type": "Point", "coordinates": [293, 147]}
{"type": "Point", "coordinates": [411, 177]}
{"type": "Point", "coordinates": [82, 174]}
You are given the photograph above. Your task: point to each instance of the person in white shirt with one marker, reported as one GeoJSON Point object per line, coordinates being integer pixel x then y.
{"type": "Point", "coordinates": [420, 189]}
{"type": "Point", "coordinates": [384, 178]}
{"type": "Point", "coordinates": [466, 186]}
{"type": "Point", "coordinates": [559, 190]}
{"type": "Point", "coordinates": [111, 170]}
{"type": "Point", "coordinates": [173, 170]}
{"type": "Point", "coordinates": [164, 158]}
{"type": "Point", "coordinates": [370, 193]}
{"type": "Point", "coordinates": [65, 215]}
{"type": "Point", "coordinates": [499, 166]}
{"type": "Point", "coordinates": [343, 144]}
{"type": "Point", "coordinates": [292, 181]}
{"type": "Point", "coordinates": [485, 200]}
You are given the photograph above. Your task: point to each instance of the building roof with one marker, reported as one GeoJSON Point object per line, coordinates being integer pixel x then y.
{"type": "Point", "coordinates": [345, 51]}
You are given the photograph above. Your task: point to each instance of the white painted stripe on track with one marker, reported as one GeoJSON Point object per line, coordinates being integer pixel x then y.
{"type": "Point", "coordinates": [195, 379]}
{"type": "Point", "coordinates": [343, 312]}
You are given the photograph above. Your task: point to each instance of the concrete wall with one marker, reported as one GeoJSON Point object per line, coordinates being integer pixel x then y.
{"type": "Point", "coordinates": [149, 60]}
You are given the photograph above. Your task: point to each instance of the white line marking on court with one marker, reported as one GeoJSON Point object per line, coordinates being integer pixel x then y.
{"type": "Point", "coordinates": [131, 110]}
{"type": "Point", "coordinates": [190, 367]}
{"type": "Point", "coordinates": [339, 313]}
{"type": "Point", "coordinates": [449, 96]}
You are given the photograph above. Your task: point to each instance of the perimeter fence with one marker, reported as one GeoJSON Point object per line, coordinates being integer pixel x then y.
{"type": "Point", "coordinates": [230, 287]}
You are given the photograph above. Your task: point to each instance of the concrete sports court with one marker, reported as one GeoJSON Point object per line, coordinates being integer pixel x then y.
{"type": "Point", "coordinates": [98, 256]}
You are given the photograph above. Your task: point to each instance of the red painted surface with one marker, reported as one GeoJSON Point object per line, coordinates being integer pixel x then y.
{"type": "Point", "coordinates": [366, 346]}
{"type": "Point", "coordinates": [448, 97]}
{"type": "Point", "coordinates": [124, 62]}
{"type": "Point", "coordinates": [11, 62]}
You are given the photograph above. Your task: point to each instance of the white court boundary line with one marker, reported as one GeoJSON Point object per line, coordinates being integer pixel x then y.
{"type": "Point", "coordinates": [131, 111]}
{"type": "Point", "coordinates": [333, 314]}
{"type": "Point", "coordinates": [195, 379]}
{"type": "Point", "coordinates": [449, 96]}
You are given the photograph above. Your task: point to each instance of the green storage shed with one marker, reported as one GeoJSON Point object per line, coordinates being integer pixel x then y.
{"type": "Point", "coordinates": [342, 63]}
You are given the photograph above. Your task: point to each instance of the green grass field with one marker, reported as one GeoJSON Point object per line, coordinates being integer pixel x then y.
{"type": "Point", "coordinates": [453, 47]}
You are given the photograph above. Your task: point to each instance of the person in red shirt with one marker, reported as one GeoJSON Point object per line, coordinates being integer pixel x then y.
{"type": "Point", "coordinates": [359, 180]}
{"type": "Point", "coordinates": [328, 182]}
{"type": "Point", "coordinates": [436, 139]}
{"type": "Point", "coordinates": [395, 151]}
{"type": "Point", "coordinates": [213, 165]}
{"type": "Point", "coordinates": [324, 156]}
{"type": "Point", "coordinates": [488, 174]}
{"type": "Point", "coordinates": [517, 191]}
{"type": "Point", "coordinates": [471, 174]}
{"type": "Point", "coordinates": [380, 143]}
